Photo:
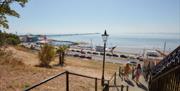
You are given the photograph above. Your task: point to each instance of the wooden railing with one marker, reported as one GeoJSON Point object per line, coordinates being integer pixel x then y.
{"type": "Point", "coordinates": [166, 75]}
{"type": "Point", "coordinates": [114, 78]}
{"type": "Point", "coordinates": [67, 73]}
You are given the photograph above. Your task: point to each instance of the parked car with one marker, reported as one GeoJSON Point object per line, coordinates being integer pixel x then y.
{"type": "Point", "coordinates": [76, 55]}
{"type": "Point", "coordinates": [89, 52]}
{"type": "Point", "coordinates": [95, 53]}
{"type": "Point", "coordinates": [102, 53]}
{"type": "Point", "coordinates": [152, 54]}
{"type": "Point", "coordinates": [108, 54]}
{"type": "Point", "coordinates": [140, 58]}
{"type": "Point", "coordinates": [133, 62]}
{"type": "Point", "coordinates": [77, 51]}
{"type": "Point", "coordinates": [123, 56]}
{"type": "Point", "coordinates": [82, 56]}
{"type": "Point", "coordinates": [88, 57]}
{"type": "Point", "coordinates": [115, 55]}
{"type": "Point", "coordinates": [83, 52]}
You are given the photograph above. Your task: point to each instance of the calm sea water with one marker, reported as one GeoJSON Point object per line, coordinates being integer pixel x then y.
{"type": "Point", "coordinates": [149, 41]}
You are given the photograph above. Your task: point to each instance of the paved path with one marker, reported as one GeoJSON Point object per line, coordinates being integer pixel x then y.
{"type": "Point", "coordinates": [130, 83]}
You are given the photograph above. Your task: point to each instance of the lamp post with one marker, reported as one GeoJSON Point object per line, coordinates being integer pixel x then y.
{"type": "Point", "coordinates": [104, 37]}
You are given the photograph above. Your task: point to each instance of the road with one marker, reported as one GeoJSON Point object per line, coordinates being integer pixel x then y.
{"type": "Point", "coordinates": [108, 58]}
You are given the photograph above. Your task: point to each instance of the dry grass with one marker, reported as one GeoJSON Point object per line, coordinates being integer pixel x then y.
{"type": "Point", "coordinates": [7, 58]}
{"type": "Point", "coordinates": [17, 77]}
{"type": "Point", "coordinates": [21, 48]}
{"type": "Point", "coordinates": [110, 68]}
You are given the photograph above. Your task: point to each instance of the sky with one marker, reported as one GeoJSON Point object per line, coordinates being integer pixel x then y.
{"type": "Point", "coordinates": [88, 16]}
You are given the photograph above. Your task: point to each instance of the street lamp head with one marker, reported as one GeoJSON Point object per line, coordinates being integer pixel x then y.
{"type": "Point", "coordinates": [105, 36]}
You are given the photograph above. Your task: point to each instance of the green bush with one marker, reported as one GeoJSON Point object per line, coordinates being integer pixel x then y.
{"type": "Point", "coordinates": [9, 39]}
{"type": "Point", "coordinates": [12, 41]}
{"type": "Point", "coordinates": [46, 55]}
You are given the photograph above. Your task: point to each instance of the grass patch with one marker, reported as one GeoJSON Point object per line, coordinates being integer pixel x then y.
{"type": "Point", "coordinates": [22, 48]}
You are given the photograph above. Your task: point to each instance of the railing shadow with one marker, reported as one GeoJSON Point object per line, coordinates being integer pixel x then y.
{"type": "Point", "coordinates": [129, 82]}
{"type": "Point", "coordinates": [140, 85]}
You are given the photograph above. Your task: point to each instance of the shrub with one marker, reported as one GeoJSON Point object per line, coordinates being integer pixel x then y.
{"type": "Point", "coordinates": [46, 55]}
{"type": "Point", "coordinates": [10, 39]}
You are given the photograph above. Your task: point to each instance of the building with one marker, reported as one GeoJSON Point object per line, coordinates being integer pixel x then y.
{"type": "Point", "coordinates": [28, 38]}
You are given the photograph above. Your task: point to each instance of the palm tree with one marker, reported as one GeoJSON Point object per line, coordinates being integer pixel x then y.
{"type": "Point", "coordinates": [61, 51]}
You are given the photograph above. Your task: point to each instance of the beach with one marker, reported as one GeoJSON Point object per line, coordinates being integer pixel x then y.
{"type": "Point", "coordinates": [129, 43]}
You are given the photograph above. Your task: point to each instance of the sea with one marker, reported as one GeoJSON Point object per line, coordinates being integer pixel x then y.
{"type": "Point", "coordinates": [128, 42]}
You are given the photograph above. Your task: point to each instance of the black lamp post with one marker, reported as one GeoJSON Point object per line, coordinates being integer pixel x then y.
{"type": "Point", "coordinates": [104, 37]}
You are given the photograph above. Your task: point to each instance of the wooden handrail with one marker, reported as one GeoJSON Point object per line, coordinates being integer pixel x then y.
{"type": "Point", "coordinates": [112, 76]}
{"type": "Point", "coordinates": [44, 81]}
{"type": "Point", "coordinates": [84, 76]}
{"type": "Point", "coordinates": [67, 80]}
{"type": "Point", "coordinates": [166, 73]}
{"type": "Point", "coordinates": [154, 79]}
{"type": "Point", "coordinates": [159, 66]}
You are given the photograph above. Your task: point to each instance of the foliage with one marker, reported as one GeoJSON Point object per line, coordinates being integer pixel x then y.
{"type": "Point", "coordinates": [46, 55]}
{"type": "Point", "coordinates": [9, 39]}
{"type": "Point", "coordinates": [6, 10]}
{"type": "Point", "coordinates": [61, 51]}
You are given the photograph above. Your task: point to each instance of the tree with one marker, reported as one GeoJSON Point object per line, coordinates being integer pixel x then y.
{"type": "Point", "coordinates": [6, 10]}
{"type": "Point", "coordinates": [46, 55]}
{"type": "Point", "coordinates": [61, 51]}
{"type": "Point", "coordinates": [8, 39]}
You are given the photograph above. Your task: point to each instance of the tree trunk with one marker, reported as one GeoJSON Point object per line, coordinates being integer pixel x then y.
{"type": "Point", "coordinates": [63, 54]}
{"type": "Point", "coordinates": [60, 58]}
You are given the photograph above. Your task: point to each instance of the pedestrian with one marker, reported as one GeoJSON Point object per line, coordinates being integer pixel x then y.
{"type": "Point", "coordinates": [127, 71]}
{"type": "Point", "coordinates": [121, 73]}
{"type": "Point", "coordinates": [133, 74]}
{"type": "Point", "coordinates": [138, 72]}
{"type": "Point", "coordinates": [147, 72]}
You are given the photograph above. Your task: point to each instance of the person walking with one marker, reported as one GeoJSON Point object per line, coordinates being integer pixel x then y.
{"type": "Point", "coordinates": [133, 72]}
{"type": "Point", "coordinates": [138, 72]}
{"type": "Point", "coordinates": [127, 71]}
{"type": "Point", "coordinates": [147, 72]}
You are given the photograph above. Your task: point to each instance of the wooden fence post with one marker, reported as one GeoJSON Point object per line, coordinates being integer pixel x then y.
{"type": "Point", "coordinates": [127, 88]}
{"type": "Point", "coordinates": [122, 87]}
{"type": "Point", "coordinates": [119, 70]}
{"type": "Point", "coordinates": [115, 78]}
{"type": "Point", "coordinates": [95, 84]}
{"type": "Point", "coordinates": [106, 87]}
{"type": "Point", "coordinates": [67, 81]}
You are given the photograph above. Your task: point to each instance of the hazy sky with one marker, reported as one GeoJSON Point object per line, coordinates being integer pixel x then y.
{"type": "Point", "coordinates": [81, 16]}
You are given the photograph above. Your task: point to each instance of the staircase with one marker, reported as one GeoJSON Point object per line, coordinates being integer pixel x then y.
{"type": "Point", "coordinates": [119, 84]}
{"type": "Point", "coordinates": [166, 75]}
